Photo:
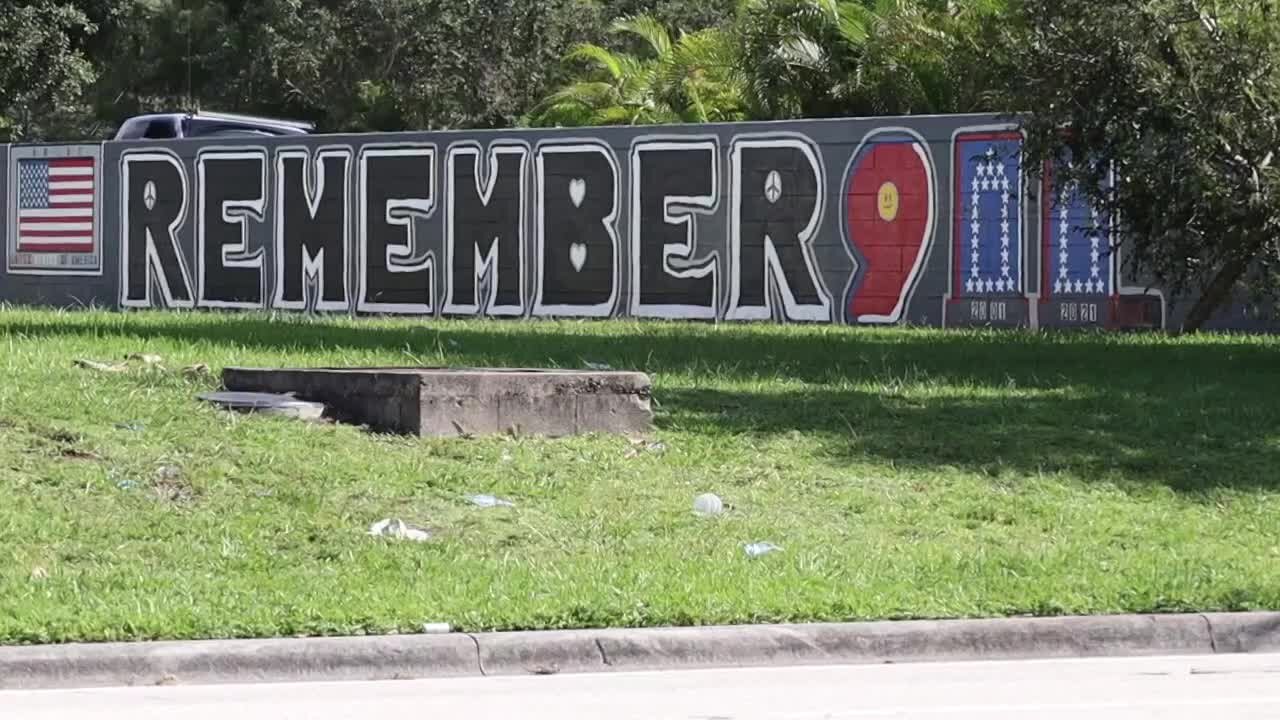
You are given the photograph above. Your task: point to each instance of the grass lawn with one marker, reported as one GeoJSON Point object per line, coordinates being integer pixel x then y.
{"type": "Point", "coordinates": [906, 473]}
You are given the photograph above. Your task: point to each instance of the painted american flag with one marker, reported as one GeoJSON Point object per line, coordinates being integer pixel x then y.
{"type": "Point", "coordinates": [56, 204]}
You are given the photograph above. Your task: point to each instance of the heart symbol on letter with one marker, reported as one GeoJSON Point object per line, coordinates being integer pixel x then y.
{"type": "Point", "coordinates": [577, 191]}
{"type": "Point", "coordinates": [578, 255]}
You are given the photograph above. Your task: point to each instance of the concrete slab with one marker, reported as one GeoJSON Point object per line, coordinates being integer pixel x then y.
{"type": "Point", "coordinates": [266, 404]}
{"type": "Point", "coordinates": [453, 402]}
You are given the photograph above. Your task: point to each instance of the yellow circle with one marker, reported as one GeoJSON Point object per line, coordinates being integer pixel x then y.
{"type": "Point", "coordinates": [887, 202]}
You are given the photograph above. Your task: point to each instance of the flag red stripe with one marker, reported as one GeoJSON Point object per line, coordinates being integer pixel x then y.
{"type": "Point", "coordinates": [56, 248]}
{"type": "Point", "coordinates": [62, 219]}
{"type": "Point", "coordinates": [71, 162]}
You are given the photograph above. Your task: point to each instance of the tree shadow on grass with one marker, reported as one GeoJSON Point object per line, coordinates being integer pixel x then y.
{"type": "Point", "coordinates": [1092, 434]}
{"type": "Point", "coordinates": [1189, 415]}
{"type": "Point", "coordinates": [814, 355]}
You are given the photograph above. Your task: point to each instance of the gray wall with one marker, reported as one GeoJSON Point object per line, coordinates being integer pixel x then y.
{"type": "Point", "coordinates": [927, 220]}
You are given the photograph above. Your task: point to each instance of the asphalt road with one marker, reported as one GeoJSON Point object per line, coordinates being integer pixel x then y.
{"type": "Point", "coordinates": [1222, 687]}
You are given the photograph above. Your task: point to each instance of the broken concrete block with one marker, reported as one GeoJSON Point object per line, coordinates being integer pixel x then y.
{"type": "Point", "coordinates": [451, 402]}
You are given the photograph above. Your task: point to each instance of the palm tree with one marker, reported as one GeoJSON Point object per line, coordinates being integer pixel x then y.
{"type": "Point", "coordinates": [692, 78]}
{"type": "Point", "coordinates": [825, 58]}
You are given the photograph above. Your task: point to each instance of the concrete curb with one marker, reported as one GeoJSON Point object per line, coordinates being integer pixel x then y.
{"type": "Point", "coordinates": [416, 656]}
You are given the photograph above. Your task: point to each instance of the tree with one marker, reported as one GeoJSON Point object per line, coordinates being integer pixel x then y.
{"type": "Point", "coordinates": [42, 70]}
{"type": "Point", "coordinates": [1182, 99]}
{"type": "Point", "coordinates": [348, 65]}
{"type": "Point", "coordinates": [692, 78]}
{"type": "Point", "coordinates": [682, 15]}
{"type": "Point", "coordinates": [830, 58]}
{"type": "Point", "coordinates": [417, 64]}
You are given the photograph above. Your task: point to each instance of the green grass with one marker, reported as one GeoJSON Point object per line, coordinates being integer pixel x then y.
{"type": "Point", "coordinates": [906, 473]}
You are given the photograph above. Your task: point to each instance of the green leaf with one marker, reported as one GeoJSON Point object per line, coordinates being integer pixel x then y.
{"type": "Point", "coordinates": [647, 28]}
{"type": "Point", "coordinates": [598, 56]}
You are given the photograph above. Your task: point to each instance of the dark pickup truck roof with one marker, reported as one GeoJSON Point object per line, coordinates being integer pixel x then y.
{"type": "Point", "coordinates": [168, 126]}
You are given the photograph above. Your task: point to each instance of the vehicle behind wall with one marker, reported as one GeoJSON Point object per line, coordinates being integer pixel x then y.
{"type": "Point", "coordinates": [174, 126]}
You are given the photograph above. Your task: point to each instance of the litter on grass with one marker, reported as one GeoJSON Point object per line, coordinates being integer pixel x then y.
{"type": "Point", "coordinates": [145, 358]}
{"type": "Point", "coordinates": [399, 530]}
{"type": "Point", "coordinates": [760, 549]}
{"type": "Point", "coordinates": [489, 501]}
{"type": "Point", "coordinates": [708, 504]}
{"type": "Point", "coordinates": [640, 445]}
{"type": "Point", "coordinates": [101, 366]}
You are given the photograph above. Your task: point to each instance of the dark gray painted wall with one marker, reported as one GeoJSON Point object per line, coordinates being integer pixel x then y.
{"type": "Point", "coordinates": [847, 221]}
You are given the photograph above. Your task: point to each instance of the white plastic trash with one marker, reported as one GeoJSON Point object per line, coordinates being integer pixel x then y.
{"type": "Point", "coordinates": [708, 504]}
{"type": "Point", "coordinates": [760, 549]}
{"type": "Point", "coordinates": [489, 501]}
{"type": "Point", "coordinates": [399, 530]}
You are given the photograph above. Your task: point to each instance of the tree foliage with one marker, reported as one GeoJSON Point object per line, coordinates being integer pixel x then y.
{"type": "Point", "coordinates": [1182, 98]}
{"type": "Point", "coordinates": [689, 78]}
{"type": "Point", "coordinates": [346, 64]}
{"type": "Point", "coordinates": [80, 66]}
{"type": "Point", "coordinates": [778, 59]}
{"type": "Point", "coordinates": [43, 71]}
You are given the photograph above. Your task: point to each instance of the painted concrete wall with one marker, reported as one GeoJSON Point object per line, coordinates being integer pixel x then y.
{"type": "Point", "coordinates": [930, 220]}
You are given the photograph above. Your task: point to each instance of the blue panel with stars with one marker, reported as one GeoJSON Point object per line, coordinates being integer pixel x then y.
{"type": "Point", "coordinates": [988, 229]}
{"type": "Point", "coordinates": [33, 184]}
{"type": "Point", "coordinates": [1077, 244]}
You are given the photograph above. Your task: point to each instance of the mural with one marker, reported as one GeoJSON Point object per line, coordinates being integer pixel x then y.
{"type": "Point", "coordinates": [932, 221]}
{"type": "Point", "coordinates": [891, 222]}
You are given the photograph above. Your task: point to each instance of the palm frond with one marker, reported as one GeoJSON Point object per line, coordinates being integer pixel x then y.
{"type": "Point", "coordinates": [647, 28]}
{"type": "Point", "coordinates": [586, 93]}
{"type": "Point", "coordinates": [597, 56]}
{"type": "Point", "coordinates": [803, 52]}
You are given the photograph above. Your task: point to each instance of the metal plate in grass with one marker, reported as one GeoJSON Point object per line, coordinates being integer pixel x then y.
{"type": "Point", "coordinates": [266, 403]}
